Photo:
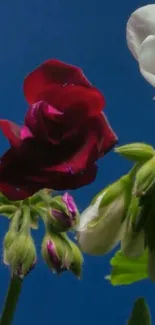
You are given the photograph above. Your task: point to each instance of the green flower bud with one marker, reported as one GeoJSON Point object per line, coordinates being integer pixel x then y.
{"type": "Point", "coordinates": [145, 178]}
{"type": "Point", "coordinates": [101, 224]}
{"type": "Point", "coordinates": [139, 152]}
{"type": "Point", "coordinates": [61, 254]}
{"type": "Point", "coordinates": [132, 243]}
{"type": "Point", "coordinates": [21, 255]}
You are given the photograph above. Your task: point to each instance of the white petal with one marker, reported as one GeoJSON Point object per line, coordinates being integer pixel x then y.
{"type": "Point", "coordinates": [89, 214]}
{"type": "Point", "coordinates": [140, 25]}
{"type": "Point", "coordinates": [105, 234]}
{"type": "Point", "coordinates": [147, 59]}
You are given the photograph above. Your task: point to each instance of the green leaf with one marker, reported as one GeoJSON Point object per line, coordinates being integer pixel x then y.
{"type": "Point", "coordinates": [127, 270]}
{"type": "Point", "coordinates": [140, 314]}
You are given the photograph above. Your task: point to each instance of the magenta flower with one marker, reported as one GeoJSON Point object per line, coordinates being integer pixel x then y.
{"type": "Point", "coordinates": [64, 133]}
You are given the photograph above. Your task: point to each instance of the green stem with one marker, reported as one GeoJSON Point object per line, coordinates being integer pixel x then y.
{"type": "Point", "coordinates": [11, 300]}
{"type": "Point", "coordinates": [134, 169]}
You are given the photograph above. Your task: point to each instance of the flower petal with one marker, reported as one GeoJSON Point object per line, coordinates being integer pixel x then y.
{"type": "Point", "coordinates": [108, 138]}
{"type": "Point", "coordinates": [14, 193]}
{"type": "Point", "coordinates": [140, 25]}
{"type": "Point", "coordinates": [74, 101]}
{"type": "Point", "coordinates": [147, 59]}
{"type": "Point", "coordinates": [14, 133]}
{"type": "Point", "coordinates": [85, 153]}
{"type": "Point", "coordinates": [52, 72]}
{"type": "Point", "coordinates": [11, 131]}
{"type": "Point", "coordinates": [64, 181]}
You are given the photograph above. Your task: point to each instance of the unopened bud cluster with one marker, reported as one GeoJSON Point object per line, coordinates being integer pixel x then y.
{"type": "Point", "coordinates": [58, 251]}
{"type": "Point", "coordinates": [60, 215]}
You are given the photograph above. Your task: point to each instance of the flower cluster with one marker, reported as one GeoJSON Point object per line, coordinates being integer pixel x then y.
{"type": "Point", "coordinates": [59, 214]}
{"type": "Point", "coordinates": [64, 133]}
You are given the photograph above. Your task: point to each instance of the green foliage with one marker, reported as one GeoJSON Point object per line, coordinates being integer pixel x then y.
{"type": "Point", "coordinates": [127, 270]}
{"type": "Point", "coordinates": [140, 314]}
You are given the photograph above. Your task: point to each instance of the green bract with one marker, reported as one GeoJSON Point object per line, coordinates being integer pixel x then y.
{"type": "Point", "coordinates": [145, 178]}
{"type": "Point", "coordinates": [133, 242]}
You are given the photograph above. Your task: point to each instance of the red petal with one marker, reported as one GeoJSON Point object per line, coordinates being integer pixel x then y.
{"type": "Point", "coordinates": [14, 193]}
{"type": "Point", "coordinates": [89, 136]}
{"type": "Point", "coordinates": [50, 72]}
{"type": "Point", "coordinates": [14, 133]}
{"type": "Point", "coordinates": [75, 102]}
{"type": "Point", "coordinates": [17, 183]}
{"type": "Point", "coordinates": [11, 132]}
{"type": "Point", "coordinates": [107, 136]}
{"type": "Point", "coordinates": [64, 181]}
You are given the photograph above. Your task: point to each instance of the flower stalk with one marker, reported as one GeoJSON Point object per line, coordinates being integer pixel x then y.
{"type": "Point", "coordinates": [11, 300]}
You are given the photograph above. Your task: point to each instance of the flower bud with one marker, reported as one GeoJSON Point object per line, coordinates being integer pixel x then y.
{"type": "Point", "coordinates": [77, 260]}
{"type": "Point", "coordinates": [21, 254]}
{"type": "Point", "coordinates": [139, 152]}
{"type": "Point", "coordinates": [132, 243]}
{"type": "Point", "coordinates": [61, 254]}
{"type": "Point", "coordinates": [63, 213]}
{"type": "Point", "coordinates": [101, 224]}
{"type": "Point", "coordinates": [56, 252]}
{"type": "Point", "coordinates": [145, 178]}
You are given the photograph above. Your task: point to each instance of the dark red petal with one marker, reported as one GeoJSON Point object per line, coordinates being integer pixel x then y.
{"type": "Point", "coordinates": [107, 136]}
{"type": "Point", "coordinates": [35, 118]}
{"type": "Point", "coordinates": [64, 181]}
{"type": "Point", "coordinates": [14, 133]}
{"type": "Point", "coordinates": [75, 102]}
{"type": "Point", "coordinates": [82, 156]}
{"type": "Point", "coordinates": [11, 131]}
{"type": "Point", "coordinates": [50, 72]}
{"type": "Point", "coordinates": [14, 193]}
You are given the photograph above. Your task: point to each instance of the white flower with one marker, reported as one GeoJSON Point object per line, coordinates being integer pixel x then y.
{"type": "Point", "coordinates": [140, 34]}
{"type": "Point", "coordinates": [101, 224]}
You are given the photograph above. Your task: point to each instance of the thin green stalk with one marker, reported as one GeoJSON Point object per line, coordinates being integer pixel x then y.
{"type": "Point", "coordinates": [11, 301]}
{"type": "Point", "coordinates": [134, 169]}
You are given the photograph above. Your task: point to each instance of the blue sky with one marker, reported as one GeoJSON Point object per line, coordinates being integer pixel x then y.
{"type": "Point", "coordinates": [90, 34]}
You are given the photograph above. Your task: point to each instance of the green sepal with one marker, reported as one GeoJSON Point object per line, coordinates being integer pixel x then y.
{"type": "Point", "coordinates": [138, 152]}
{"type": "Point", "coordinates": [8, 210]}
{"type": "Point", "coordinates": [145, 178]}
{"type": "Point", "coordinates": [133, 241]}
{"type": "Point", "coordinates": [122, 187]}
{"type": "Point", "coordinates": [77, 259]}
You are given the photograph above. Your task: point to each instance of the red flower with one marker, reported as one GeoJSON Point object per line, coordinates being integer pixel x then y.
{"type": "Point", "coordinates": [64, 133]}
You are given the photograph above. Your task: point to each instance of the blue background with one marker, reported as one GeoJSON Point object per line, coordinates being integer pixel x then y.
{"type": "Point", "coordinates": [90, 34]}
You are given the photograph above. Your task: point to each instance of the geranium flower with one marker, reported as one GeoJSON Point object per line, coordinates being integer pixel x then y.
{"type": "Point", "coordinates": [64, 133]}
{"type": "Point", "coordinates": [141, 40]}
